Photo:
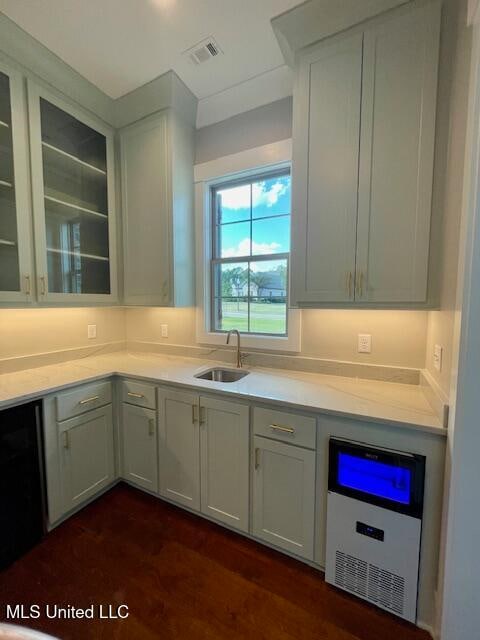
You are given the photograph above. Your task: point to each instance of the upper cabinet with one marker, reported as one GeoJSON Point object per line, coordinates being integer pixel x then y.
{"type": "Point", "coordinates": [157, 156]}
{"type": "Point", "coordinates": [73, 202]}
{"type": "Point", "coordinates": [15, 232]}
{"type": "Point", "coordinates": [364, 132]}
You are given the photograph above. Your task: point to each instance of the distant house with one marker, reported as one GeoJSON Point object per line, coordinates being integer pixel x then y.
{"type": "Point", "coordinates": [272, 285]}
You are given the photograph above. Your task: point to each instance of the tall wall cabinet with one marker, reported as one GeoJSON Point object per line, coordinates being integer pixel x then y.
{"type": "Point", "coordinates": [73, 201]}
{"type": "Point", "coordinates": [15, 229]}
{"type": "Point", "coordinates": [364, 131]}
{"type": "Point", "coordinates": [66, 163]}
{"type": "Point", "coordinates": [157, 156]}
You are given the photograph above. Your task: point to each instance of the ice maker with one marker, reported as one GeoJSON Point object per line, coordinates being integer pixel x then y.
{"type": "Point", "coordinates": [374, 524]}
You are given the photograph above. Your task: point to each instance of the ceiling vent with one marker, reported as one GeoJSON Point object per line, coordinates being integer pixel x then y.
{"type": "Point", "coordinates": [203, 51]}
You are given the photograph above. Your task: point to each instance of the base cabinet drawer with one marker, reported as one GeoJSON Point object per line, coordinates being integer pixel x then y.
{"type": "Point", "coordinates": [139, 446]}
{"type": "Point", "coordinates": [83, 399]}
{"type": "Point", "coordinates": [86, 456]}
{"type": "Point", "coordinates": [139, 393]}
{"type": "Point", "coordinates": [292, 428]}
{"type": "Point", "coordinates": [284, 496]}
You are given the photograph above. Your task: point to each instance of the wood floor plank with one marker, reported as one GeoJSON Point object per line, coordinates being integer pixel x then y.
{"type": "Point", "coordinates": [182, 578]}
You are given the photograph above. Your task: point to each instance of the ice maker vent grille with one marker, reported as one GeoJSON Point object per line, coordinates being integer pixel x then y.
{"type": "Point", "coordinates": [377, 585]}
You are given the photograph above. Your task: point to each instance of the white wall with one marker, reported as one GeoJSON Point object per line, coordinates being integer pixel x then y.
{"type": "Point", "coordinates": [34, 331]}
{"type": "Point", "coordinates": [447, 196]}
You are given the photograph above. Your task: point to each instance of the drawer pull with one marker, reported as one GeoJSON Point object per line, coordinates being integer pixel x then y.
{"type": "Point", "coordinates": [88, 400]}
{"type": "Point", "coordinates": [278, 427]}
{"type": "Point", "coordinates": [135, 395]}
{"type": "Point", "coordinates": [151, 427]}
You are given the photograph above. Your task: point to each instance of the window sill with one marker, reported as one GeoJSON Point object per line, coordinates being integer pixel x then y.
{"type": "Point", "coordinates": [286, 344]}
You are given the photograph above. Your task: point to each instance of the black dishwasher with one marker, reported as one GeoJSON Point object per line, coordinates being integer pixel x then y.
{"type": "Point", "coordinates": [22, 490]}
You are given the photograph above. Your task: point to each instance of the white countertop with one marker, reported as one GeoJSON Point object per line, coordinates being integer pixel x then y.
{"type": "Point", "coordinates": [385, 402]}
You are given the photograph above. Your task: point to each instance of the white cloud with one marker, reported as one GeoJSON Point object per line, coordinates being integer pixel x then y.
{"type": "Point", "coordinates": [243, 249]}
{"type": "Point", "coordinates": [239, 197]}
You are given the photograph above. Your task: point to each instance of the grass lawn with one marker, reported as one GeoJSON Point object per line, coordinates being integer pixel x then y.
{"type": "Point", "coordinates": [264, 317]}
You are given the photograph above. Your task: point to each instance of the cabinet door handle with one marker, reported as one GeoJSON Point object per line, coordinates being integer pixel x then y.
{"type": "Point", "coordinates": [66, 440]}
{"type": "Point", "coordinates": [360, 285]}
{"type": "Point", "coordinates": [194, 414]}
{"type": "Point", "coordinates": [43, 285]}
{"type": "Point", "coordinates": [279, 427]}
{"type": "Point", "coordinates": [203, 415]}
{"type": "Point", "coordinates": [28, 289]}
{"type": "Point", "coordinates": [88, 400]}
{"type": "Point", "coordinates": [257, 458]}
{"type": "Point", "coordinates": [135, 395]}
{"type": "Point", "coordinates": [349, 283]}
{"type": "Point", "coordinates": [164, 290]}
{"type": "Point", "coordinates": [151, 427]}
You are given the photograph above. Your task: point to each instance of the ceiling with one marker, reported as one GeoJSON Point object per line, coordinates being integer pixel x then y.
{"type": "Point", "coordinates": [120, 45]}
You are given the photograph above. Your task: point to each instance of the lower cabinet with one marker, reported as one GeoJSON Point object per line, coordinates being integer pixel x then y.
{"type": "Point", "coordinates": [86, 455]}
{"type": "Point", "coordinates": [224, 449]}
{"type": "Point", "coordinates": [139, 446]}
{"type": "Point", "coordinates": [284, 496]}
{"type": "Point", "coordinates": [204, 455]}
{"type": "Point", "coordinates": [179, 447]}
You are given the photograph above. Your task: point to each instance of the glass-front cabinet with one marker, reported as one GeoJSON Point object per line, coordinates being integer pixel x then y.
{"type": "Point", "coordinates": [15, 229]}
{"type": "Point", "coordinates": [73, 200]}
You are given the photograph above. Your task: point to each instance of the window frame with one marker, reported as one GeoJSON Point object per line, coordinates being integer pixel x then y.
{"type": "Point", "coordinates": [216, 259]}
{"type": "Point", "coordinates": [271, 158]}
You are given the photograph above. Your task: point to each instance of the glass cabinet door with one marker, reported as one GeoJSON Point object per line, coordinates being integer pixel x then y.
{"type": "Point", "coordinates": [72, 196]}
{"type": "Point", "coordinates": [15, 279]}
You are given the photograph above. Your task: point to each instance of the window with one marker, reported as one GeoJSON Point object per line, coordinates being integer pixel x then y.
{"type": "Point", "coordinates": [250, 254]}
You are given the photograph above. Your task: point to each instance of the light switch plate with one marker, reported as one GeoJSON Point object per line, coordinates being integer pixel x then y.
{"type": "Point", "coordinates": [364, 343]}
{"type": "Point", "coordinates": [91, 331]}
{"type": "Point", "coordinates": [164, 330]}
{"type": "Point", "coordinates": [437, 357]}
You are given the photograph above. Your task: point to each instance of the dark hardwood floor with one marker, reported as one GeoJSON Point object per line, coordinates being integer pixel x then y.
{"type": "Point", "coordinates": [182, 577]}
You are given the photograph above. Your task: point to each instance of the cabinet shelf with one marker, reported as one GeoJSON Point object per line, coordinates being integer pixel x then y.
{"type": "Point", "coordinates": [64, 154]}
{"type": "Point", "coordinates": [58, 204]}
{"type": "Point", "coordinates": [78, 254]}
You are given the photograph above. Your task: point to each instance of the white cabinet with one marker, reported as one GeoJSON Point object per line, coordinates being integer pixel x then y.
{"type": "Point", "coordinates": [139, 446]}
{"type": "Point", "coordinates": [157, 187]}
{"type": "Point", "coordinates": [204, 442]}
{"type": "Point", "coordinates": [73, 201]}
{"type": "Point", "coordinates": [179, 447]}
{"type": "Point", "coordinates": [364, 128]}
{"type": "Point", "coordinates": [86, 450]}
{"type": "Point", "coordinates": [224, 446]}
{"type": "Point", "coordinates": [16, 274]}
{"type": "Point", "coordinates": [284, 496]}
{"type": "Point", "coordinates": [325, 166]}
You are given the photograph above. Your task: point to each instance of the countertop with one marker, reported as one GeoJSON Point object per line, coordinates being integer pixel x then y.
{"type": "Point", "coordinates": [397, 404]}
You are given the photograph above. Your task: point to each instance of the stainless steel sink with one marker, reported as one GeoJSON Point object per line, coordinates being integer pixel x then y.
{"type": "Point", "coordinates": [222, 375]}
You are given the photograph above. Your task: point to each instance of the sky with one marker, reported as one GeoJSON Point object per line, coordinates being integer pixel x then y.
{"type": "Point", "coordinates": [268, 198]}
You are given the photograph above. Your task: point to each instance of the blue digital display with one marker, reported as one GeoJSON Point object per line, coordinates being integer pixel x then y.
{"type": "Point", "coordinates": [386, 481]}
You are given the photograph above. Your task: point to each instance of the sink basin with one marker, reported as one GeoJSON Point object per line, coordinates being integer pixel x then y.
{"type": "Point", "coordinates": [222, 375]}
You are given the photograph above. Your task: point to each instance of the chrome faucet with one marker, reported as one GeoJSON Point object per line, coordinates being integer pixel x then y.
{"type": "Point", "coordinates": [239, 354]}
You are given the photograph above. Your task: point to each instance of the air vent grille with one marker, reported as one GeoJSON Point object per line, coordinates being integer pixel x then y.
{"type": "Point", "coordinates": [369, 581]}
{"type": "Point", "coordinates": [203, 51]}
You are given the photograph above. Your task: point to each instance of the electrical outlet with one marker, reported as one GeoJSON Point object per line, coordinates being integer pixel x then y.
{"type": "Point", "coordinates": [437, 357]}
{"type": "Point", "coordinates": [91, 331]}
{"type": "Point", "coordinates": [164, 330]}
{"type": "Point", "coordinates": [364, 343]}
